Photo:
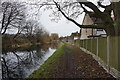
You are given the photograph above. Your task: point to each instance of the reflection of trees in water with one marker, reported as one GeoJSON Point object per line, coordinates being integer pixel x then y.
{"type": "Point", "coordinates": [15, 64]}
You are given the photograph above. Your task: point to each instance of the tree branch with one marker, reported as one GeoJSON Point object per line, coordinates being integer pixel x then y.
{"type": "Point", "coordinates": [107, 8]}
{"type": "Point", "coordinates": [3, 19]}
{"type": "Point", "coordinates": [85, 10]}
{"type": "Point", "coordinates": [8, 22]}
{"type": "Point", "coordinates": [104, 16]}
{"type": "Point", "coordinates": [92, 6]}
{"type": "Point", "coordinates": [81, 26]}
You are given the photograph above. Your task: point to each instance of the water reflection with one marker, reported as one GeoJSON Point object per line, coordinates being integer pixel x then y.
{"type": "Point", "coordinates": [22, 62]}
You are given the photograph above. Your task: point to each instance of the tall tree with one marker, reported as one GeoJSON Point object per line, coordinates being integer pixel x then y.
{"type": "Point", "coordinates": [12, 15]}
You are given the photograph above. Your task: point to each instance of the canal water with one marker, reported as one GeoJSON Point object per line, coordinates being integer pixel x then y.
{"type": "Point", "coordinates": [20, 63]}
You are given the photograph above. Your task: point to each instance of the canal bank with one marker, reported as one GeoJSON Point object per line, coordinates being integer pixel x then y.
{"type": "Point", "coordinates": [70, 62]}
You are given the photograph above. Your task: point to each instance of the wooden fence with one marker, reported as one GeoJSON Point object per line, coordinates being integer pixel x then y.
{"type": "Point", "coordinates": [107, 49]}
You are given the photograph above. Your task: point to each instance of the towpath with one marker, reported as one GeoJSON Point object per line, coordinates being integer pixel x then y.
{"type": "Point", "coordinates": [72, 63]}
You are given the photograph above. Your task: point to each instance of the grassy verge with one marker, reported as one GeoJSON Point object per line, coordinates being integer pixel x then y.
{"type": "Point", "coordinates": [46, 70]}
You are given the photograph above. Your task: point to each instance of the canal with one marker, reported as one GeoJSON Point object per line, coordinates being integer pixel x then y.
{"type": "Point", "coordinates": [20, 63]}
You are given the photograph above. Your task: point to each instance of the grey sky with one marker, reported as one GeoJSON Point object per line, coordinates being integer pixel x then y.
{"type": "Point", "coordinates": [63, 27]}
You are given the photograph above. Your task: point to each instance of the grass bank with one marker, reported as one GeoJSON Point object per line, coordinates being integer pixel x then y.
{"type": "Point", "coordinates": [46, 70]}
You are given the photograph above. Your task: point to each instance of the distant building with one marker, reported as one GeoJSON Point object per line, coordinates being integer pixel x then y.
{"type": "Point", "coordinates": [70, 38]}
{"type": "Point", "coordinates": [89, 32]}
{"type": "Point", "coordinates": [76, 35]}
{"type": "Point", "coordinates": [64, 39]}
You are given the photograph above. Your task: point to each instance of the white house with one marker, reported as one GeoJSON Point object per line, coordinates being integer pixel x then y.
{"type": "Point", "coordinates": [87, 33]}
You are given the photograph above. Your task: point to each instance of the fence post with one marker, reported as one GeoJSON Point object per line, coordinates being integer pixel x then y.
{"type": "Point", "coordinates": [91, 45]}
{"type": "Point", "coordinates": [108, 52]}
{"type": "Point", "coordinates": [0, 57]}
{"type": "Point", "coordinates": [83, 43]}
{"type": "Point", "coordinates": [118, 51]}
{"type": "Point", "coordinates": [97, 47]}
{"type": "Point", "coordinates": [86, 45]}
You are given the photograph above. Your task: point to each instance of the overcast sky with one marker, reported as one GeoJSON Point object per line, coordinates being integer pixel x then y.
{"type": "Point", "coordinates": [63, 27]}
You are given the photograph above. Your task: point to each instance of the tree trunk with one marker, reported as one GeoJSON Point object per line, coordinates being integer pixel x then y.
{"type": "Point", "coordinates": [110, 30]}
{"type": "Point", "coordinates": [116, 11]}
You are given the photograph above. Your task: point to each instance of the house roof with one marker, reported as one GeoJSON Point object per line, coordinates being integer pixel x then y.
{"type": "Point", "coordinates": [95, 20]}
{"type": "Point", "coordinates": [75, 34]}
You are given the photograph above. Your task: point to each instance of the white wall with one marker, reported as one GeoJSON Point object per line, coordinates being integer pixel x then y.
{"type": "Point", "coordinates": [86, 32]}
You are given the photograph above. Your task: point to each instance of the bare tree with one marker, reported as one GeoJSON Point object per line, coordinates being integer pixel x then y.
{"type": "Point", "coordinates": [38, 34]}
{"type": "Point", "coordinates": [20, 28]}
{"type": "Point", "coordinates": [34, 31]}
{"type": "Point", "coordinates": [29, 29]}
{"type": "Point", "coordinates": [12, 14]}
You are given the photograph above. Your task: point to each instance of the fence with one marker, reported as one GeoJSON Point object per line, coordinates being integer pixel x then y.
{"type": "Point", "coordinates": [107, 49]}
{"type": "Point", "coordinates": [0, 57]}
